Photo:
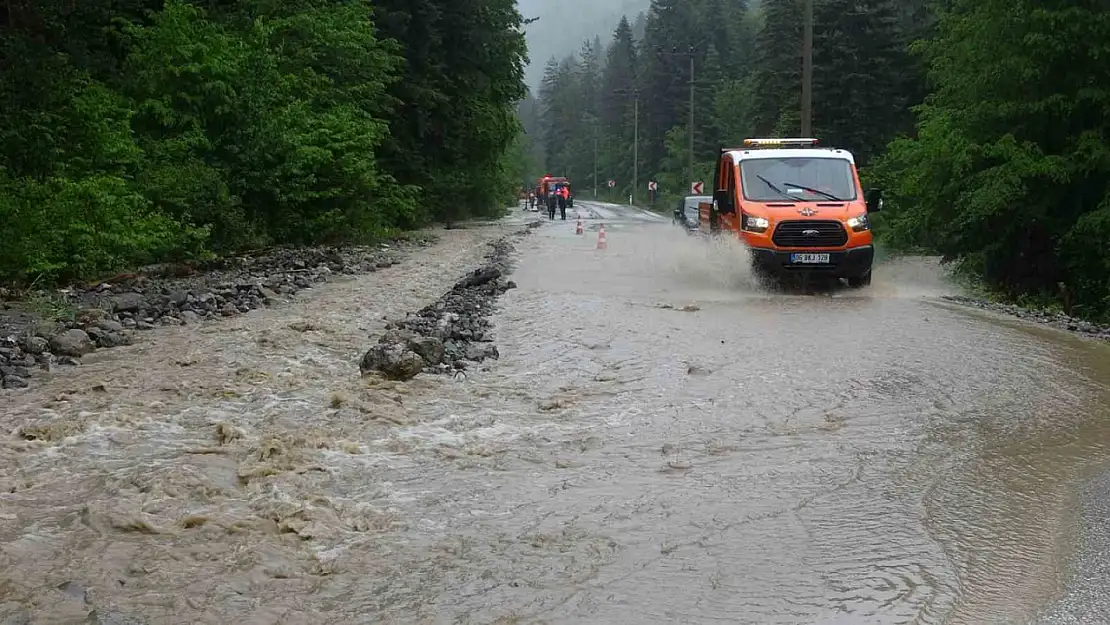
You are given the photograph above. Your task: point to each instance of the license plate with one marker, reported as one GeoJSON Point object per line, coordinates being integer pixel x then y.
{"type": "Point", "coordinates": [810, 259]}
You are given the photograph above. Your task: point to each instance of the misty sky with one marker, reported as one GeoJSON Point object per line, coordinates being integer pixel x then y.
{"type": "Point", "coordinates": [565, 24]}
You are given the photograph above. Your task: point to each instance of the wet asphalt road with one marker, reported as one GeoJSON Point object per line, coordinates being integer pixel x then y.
{"type": "Point", "coordinates": [675, 444]}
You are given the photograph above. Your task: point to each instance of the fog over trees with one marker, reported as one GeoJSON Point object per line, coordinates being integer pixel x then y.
{"type": "Point", "coordinates": [564, 24]}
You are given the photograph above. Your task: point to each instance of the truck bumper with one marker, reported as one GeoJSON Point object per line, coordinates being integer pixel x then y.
{"type": "Point", "coordinates": [851, 263]}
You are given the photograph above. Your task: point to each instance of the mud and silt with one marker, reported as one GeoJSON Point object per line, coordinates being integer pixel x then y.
{"type": "Point", "coordinates": [190, 475]}
{"type": "Point", "coordinates": [659, 441]}
{"type": "Point", "coordinates": [111, 313]}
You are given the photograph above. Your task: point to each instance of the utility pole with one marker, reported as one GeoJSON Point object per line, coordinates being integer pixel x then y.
{"type": "Point", "coordinates": [690, 123]}
{"type": "Point", "coordinates": [690, 129]}
{"type": "Point", "coordinates": [807, 69]}
{"type": "Point", "coordinates": [595, 161]}
{"type": "Point", "coordinates": [635, 94]}
{"type": "Point", "coordinates": [635, 142]}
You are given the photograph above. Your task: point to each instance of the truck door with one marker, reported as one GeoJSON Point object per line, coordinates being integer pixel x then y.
{"type": "Point", "coordinates": [730, 221]}
{"type": "Point", "coordinates": [714, 214]}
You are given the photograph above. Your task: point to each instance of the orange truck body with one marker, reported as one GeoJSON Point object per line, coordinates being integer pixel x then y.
{"type": "Point", "coordinates": [798, 208]}
{"type": "Point", "coordinates": [546, 184]}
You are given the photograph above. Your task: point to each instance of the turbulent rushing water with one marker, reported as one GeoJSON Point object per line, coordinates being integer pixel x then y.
{"type": "Point", "coordinates": [662, 441]}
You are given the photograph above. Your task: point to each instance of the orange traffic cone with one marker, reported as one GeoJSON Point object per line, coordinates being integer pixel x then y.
{"type": "Point", "coordinates": [601, 238]}
{"type": "Point", "coordinates": [579, 229]}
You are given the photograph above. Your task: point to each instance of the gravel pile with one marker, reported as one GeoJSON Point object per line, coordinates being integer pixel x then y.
{"type": "Point", "coordinates": [454, 330]}
{"type": "Point", "coordinates": [1047, 317]}
{"type": "Point", "coordinates": [109, 314]}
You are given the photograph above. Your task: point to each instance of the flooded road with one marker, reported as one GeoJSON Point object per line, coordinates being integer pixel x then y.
{"type": "Point", "coordinates": [661, 441]}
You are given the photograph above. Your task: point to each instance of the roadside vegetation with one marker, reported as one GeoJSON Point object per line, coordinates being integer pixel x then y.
{"type": "Point", "coordinates": [143, 131]}
{"type": "Point", "coordinates": [986, 122]}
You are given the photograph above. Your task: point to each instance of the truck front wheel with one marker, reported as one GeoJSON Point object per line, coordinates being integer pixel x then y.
{"type": "Point", "coordinates": [860, 281]}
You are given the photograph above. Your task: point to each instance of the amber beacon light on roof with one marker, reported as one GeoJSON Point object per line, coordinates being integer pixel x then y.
{"type": "Point", "coordinates": [780, 143]}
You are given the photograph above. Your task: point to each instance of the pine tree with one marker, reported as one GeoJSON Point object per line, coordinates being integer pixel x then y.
{"type": "Point", "coordinates": [672, 32]}
{"type": "Point", "coordinates": [620, 83]}
{"type": "Point", "coordinates": [710, 80]}
{"type": "Point", "coordinates": [742, 25]}
{"type": "Point", "coordinates": [777, 76]}
{"type": "Point", "coordinates": [715, 26]}
{"type": "Point", "coordinates": [861, 75]}
{"type": "Point", "coordinates": [462, 103]}
{"type": "Point", "coordinates": [589, 79]}
{"type": "Point", "coordinates": [561, 115]}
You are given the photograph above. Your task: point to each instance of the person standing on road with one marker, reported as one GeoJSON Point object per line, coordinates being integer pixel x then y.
{"type": "Point", "coordinates": [564, 193]}
{"type": "Point", "coordinates": [552, 201]}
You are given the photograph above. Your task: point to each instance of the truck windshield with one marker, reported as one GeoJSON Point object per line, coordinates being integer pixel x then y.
{"type": "Point", "coordinates": [798, 177]}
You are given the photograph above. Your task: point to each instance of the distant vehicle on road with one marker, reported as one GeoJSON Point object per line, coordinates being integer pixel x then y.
{"type": "Point", "coordinates": [549, 184]}
{"type": "Point", "coordinates": [686, 213]}
{"type": "Point", "coordinates": [799, 208]}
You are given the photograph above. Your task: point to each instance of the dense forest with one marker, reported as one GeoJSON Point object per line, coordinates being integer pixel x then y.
{"type": "Point", "coordinates": [144, 130]}
{"type": "Point", "coordinates": [986, 122]}
{"type": "Point", "coordinates": [134, 131]}
{"type": "Point", "coordinates": [747, 67]}
{"type": "Point", "coordinates": [559, 26]}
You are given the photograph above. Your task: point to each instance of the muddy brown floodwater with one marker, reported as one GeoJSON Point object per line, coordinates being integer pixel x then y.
{"type": "Point", "coordinates": [662, 441]}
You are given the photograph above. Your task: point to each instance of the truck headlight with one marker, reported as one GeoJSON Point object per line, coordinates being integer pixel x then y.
{"type": "Point", "coordinates": [859, 224]}
{"type": "Point", "coordinates": [755, 224]}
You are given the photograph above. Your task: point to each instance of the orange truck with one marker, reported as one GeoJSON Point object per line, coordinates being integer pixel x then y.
{"type": "Point", "coordinates": [799, 209]}
{"type": "Point", "coordinates": [549, 184]}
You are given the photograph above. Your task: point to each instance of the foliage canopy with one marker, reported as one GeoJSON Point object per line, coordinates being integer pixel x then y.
{"type": "Point", "coordinates": [143, 130]}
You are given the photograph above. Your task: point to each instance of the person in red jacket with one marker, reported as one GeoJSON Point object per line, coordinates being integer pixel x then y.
{"type": "Point", "coordinates": [563, 192]}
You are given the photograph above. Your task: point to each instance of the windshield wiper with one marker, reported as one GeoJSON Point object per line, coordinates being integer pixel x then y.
{"type": "Point", "coordinates": [812, 190]}
{"type": "Point", "coordinates": [774, 188]}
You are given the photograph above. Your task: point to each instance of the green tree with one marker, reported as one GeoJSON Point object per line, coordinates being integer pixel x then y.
{"type": "Point", "coordinates": [455, 113]}
{"type": "Point", "coordinates": [777, 71]}
{"type": "Point", "coordinates": [1009, 173]}
{"type": "Point", "coordinates": [861, 84]}
{"type": "Point", "coordinates": [672, 32]}
{"type": "Point", "coordinates": [142, 130]}
{"type": "Point", "coordinates": [617, 106]}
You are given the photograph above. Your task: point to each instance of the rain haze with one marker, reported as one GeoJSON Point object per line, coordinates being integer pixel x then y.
{"type": "Point", "coordinates": [564, 25]}
{"type": "Point", "coordinates": [296, 328]}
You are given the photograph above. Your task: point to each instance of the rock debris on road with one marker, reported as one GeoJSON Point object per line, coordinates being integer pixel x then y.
{"type": "Point", "coordinates": [109, 313]}
{"type": "Point", "coordinates": [173, 476]}
{"type": "Point", "coordinates": [454, 329]}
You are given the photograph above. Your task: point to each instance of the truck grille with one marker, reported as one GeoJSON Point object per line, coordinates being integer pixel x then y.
{"type": "Point", "coordinates": [801, 234]}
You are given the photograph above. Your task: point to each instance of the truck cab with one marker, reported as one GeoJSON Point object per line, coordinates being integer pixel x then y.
{"type": "Point", "coordinates": [799, 208]}
{"type": "Point", "coordinates": [549, 184]}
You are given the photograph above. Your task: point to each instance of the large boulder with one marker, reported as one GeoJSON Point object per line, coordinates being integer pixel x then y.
{"type": "Point", "coordinates": [74, 343]}
{"type": "Point", "coordinates": [429, 348]}
{"type": "Point", "coordinates": [397, 336]}
{"type": "Point", "coordinates": [34, 344]}
{"type": "Point", "coordinates": [478, 277]}
{"type": "Point", "coordinates": [128, 302]}
{"type": "Point", "coordinates": [13, 382]}
{"type": "Point", "coordinates": [481, 351]}
{"type": "Point", "coordinates": [88, 316]}
{"type": "Point", "coordinates": [392, 360]}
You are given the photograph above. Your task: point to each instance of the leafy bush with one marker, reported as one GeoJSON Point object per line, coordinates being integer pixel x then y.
{"type": "Point", "coordinates": [67, 229]}
{"type": "Point", "coordinates": [132, 136]}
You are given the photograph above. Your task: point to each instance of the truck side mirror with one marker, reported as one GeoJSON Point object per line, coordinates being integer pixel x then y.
{"type": "Point", "coordinates": [874, 199]}
{"type": "Point", "coordinates": [723, 201]}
